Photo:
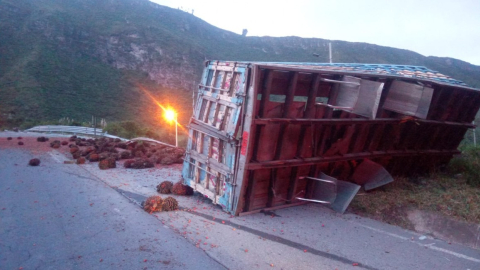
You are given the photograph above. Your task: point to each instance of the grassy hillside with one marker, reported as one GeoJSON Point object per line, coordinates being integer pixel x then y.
{"type": "Point", "coordinates": [79, 58]}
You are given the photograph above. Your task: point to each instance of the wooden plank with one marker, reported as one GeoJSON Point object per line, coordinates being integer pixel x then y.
{"type": "Point", "coordinates": [411, 136]}
{"type": "Point", "coordinates": [243, 178]}
{"type": "Point", "coordinates": [265, 93]}
{"type": "Point", "coordinates": [423, 136]}
{"type": "Point", "coordinates": [281, 135]}
{"type": "Point", "coordinates": [465, 111]}
{"type": "Point", "coordinates": [212, 162]}
{"type": "Point", "coordinates": [361, 140]}
{"type": "Point", "coordinates": [323, 144]}
{"type": "Point", "coordinates": [207, 129]}
{"type": "Point", "coordinates": [250, 191]}
{"type": "Point", "coordinates": [472, 111]}
{"type": "Point", "coordinates": [226, 101]}
{"type": "Point", "coordinates": [377, 136]}
{"type": "Point", "coordinates": [450, 107]}
{"type": "Point", "coordinates": [286, 109]}
{"type": "Point", "coordinates": [262, 111]}
{"type": "Point", "coordinates": [350, 156]}
{"type": "Point", "coordinates": [350, 121]}
{"type": "Point", "coordinates": [440, 94]}
{"type": "Point", "coordinates": [271, 187]}
{"type": "Point", "coordinates": [309, 113]}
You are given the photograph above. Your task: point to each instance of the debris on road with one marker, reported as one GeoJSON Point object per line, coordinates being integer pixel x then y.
{"type": "Point", "coordinates": [153, 204]}
{"type": "Point", "coordinates": [170, 204]}
{"type": "Point", "coordinates": [108, 163]}
{"type": "Point", "coordinates": [139, 163]}
{"type": "Point", "coordinates": [55, 144]}
{"type": "Point", "coordinates": [42, 139]}
{"type": "Point", "coordinates": [34, 162]}
{"type": "Point", "coordinates": [181, 189]}
{"type": "Point", "coordinates": [81, 160]}
{"type": "Point", "coordinates": [165, 187]}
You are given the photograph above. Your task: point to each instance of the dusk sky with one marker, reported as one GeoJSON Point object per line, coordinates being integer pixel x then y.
{"type": "Point", "coordinates": [443, 28]}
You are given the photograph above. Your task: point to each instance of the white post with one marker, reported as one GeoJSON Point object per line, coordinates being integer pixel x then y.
{"type": "Point", "coordinates": [176, 131]}
{"type": "Point", "coordinates": [330, 51]}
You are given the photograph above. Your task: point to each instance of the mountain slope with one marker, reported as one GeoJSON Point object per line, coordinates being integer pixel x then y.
{"type": "Point", "coordinates": [79, 58]}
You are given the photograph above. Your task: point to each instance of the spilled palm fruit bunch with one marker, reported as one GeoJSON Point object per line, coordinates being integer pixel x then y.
{"type": "Point", "coordinates": [138, 163]}
{"type": "Point", "coordinates": [112, 163]}
{"type": "Point", "coordinates": [76, 155]}
{"type": "Point", "coordinates": [20, 143]}
{"type": "Point", "coordinates": [170, 204]}
{"type": "Point", "coordinates": [167, 160]}
{"type": "Point", "coordinates": [128, 163]}
{"type": "Point", "coordinates": [55, 144]}
{"type": "Point", "coordinates": [42, 139]}
{"type": "Point", "coordinates": [103, 164]}
{"type": "Point", "coordinates": [64, 142]}
{"type": "Point", "coordinates": [165, 187]}
{"type": "Point", "coordinates": [34, 162]}
{"type": "Point", "coordinates": [125, 154]}
{"type": "Point", "coordinates": [93, 157]}
{"type": "Point", "coordinates": [153, 204]}
{"type": "Point", "coordinates": [108, 163]}
{"type": "Point", "coordinates": [81, 160]}
{"type": "Point", "coordinates": [9, 138]}
{"type": "Point", "coordinates": [181, 189]}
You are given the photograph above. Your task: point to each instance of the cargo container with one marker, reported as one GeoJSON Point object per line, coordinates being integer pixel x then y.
{"type": "Point", "coordinates": [271, 135]}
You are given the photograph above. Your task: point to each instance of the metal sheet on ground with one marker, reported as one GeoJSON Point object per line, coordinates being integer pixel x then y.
{"type": "Point", "coordinates": [371, 175]}
{"type": "Point", "coordinates": [346, 191]}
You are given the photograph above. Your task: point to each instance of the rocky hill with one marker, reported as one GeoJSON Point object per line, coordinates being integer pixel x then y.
{"type": "Point", "coordinates": [77, 58]}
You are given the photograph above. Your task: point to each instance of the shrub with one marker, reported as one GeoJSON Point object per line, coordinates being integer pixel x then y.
{"type": "Point", "coordinates": [468, 165]}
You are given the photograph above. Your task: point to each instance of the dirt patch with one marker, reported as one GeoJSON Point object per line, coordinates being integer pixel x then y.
{"type": "Point", "coordinates": [441, 194]}
{"type": "Point", "coordinates": [31, 144]}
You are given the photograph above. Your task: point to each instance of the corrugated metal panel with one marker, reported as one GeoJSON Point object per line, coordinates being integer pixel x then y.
{"type": "Point", "coordinates": [248, 149]}
{"type": "Point", "coordinates": [409, 99]}
{"type": "Point", "coordinates": [405, 71]}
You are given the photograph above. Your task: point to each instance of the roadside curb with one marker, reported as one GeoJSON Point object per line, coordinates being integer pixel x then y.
{"type": "Point", "coordinates": [445, 228]}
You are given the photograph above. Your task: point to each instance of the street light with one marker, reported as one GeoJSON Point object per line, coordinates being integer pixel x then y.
{"type": "Point", "coordinates": [171, 115]}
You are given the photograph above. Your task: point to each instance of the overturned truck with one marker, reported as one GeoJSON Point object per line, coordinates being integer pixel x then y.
{"type": "Point", "coordinates": [272, 135]}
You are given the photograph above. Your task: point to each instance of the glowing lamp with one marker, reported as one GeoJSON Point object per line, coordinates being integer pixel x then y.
{"type": "Point", "coordinates": [170, 115]}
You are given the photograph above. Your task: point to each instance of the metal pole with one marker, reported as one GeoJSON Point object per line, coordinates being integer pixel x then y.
{"type": "Point", "coordinates": [330, 51]}
{"type": "Point", "coordinates": [176, 131]}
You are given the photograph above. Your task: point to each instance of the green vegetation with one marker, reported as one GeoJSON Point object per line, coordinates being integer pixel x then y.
{"type": "Point", "coordinates": [80, 58]}
{"type": "Point", "coordinates": [467, 165]}
{"type": "Point", "coordinates": [441, 193]}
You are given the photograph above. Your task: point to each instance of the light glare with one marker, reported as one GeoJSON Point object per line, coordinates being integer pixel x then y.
{"type": "Point", "coordinates": [170, 115]}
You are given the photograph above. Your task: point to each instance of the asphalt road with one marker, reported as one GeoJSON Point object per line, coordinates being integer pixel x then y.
{"type": "Point", "coordinates": [54, 217]}
{"type": "Point", "coordinates": [67, 216]}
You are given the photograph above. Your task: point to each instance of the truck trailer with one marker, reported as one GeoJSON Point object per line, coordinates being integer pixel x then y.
{"type": "Point", "coordinates": [268, 135]}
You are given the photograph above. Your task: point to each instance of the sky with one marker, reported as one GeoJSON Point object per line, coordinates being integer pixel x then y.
{"type": "Point", "coordinates": [444, 28]}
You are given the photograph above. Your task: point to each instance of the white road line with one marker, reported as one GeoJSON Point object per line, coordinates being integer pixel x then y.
{"type": "Point", "coordinates": [384, 232]}
{"type": "Point", "coordinates": [431, 245]}
{"type": "Point", "coordinates": [459, 255]}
